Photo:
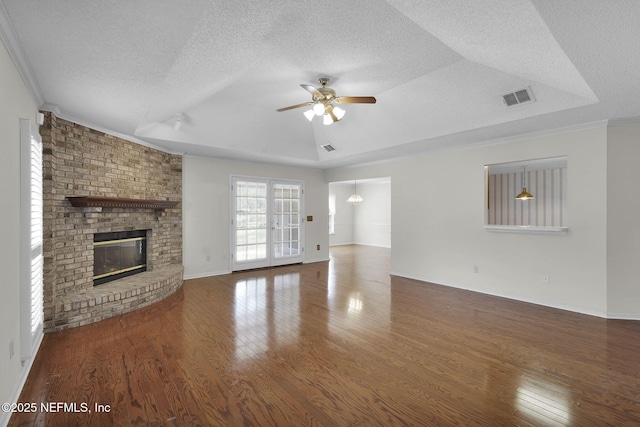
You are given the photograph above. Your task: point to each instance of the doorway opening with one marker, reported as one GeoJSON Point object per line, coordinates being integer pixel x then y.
{"type": "Point", "coordinates": [367, 223]}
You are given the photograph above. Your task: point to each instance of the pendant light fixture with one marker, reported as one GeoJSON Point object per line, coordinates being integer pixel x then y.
{"type": "Point", "coordinates": [355, 198]}
{"type": "Point", "coordinates": [524, 194]}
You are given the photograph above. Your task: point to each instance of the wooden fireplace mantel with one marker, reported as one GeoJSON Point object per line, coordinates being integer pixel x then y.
{"type": "Point", "coordinates": [118, 202]}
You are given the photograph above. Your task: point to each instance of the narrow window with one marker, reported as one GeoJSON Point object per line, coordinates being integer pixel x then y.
{"type": "Point", "coordinates": [332, 214]}
{"type": "Point", "coordinates": [31, 258]}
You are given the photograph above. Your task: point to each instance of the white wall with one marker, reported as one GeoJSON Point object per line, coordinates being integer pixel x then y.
{"type": "Point", "coordinates": [623, 228]}
{"type": "Point", "coordinates": [438, 236]}
{"type": "Point", "coordinates": [206, 217]}
{"type": "Point", "coordinates": [15, 103]}
{"type": "Point", "coordinates": [343, 223]}
{"type": "Point", "coordinates": [372, 218]}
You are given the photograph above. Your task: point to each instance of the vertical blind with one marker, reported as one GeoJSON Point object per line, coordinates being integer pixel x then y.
{"type": "Point", "coordinates": [547, 209]}
{"type": "Point", "coordinates": [31, 258]}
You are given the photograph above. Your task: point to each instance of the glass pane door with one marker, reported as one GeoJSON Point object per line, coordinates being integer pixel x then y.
{"type": "Point", "coordinates": [258, 205]}
{"type": "Point", "coordinates": [286, 223]}
{"type": "Point", "coordinates": [250, 224]}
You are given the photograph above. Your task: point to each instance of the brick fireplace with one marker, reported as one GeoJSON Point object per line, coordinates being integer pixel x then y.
{"type": "Point", "coordinates": [79, 161]}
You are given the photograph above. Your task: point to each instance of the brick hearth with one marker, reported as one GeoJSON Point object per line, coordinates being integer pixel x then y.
{"type": "Point", "coordinates": [79, 161]}
{"type": "Point", "coordinates": [120, 296]}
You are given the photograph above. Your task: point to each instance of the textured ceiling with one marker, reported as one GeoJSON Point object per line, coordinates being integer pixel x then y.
{"type": "Point", "coordinates": [438, 70]}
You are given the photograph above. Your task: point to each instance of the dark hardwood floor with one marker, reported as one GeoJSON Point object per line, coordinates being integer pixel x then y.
{"type": "Point", "coordinates": [338, 343]}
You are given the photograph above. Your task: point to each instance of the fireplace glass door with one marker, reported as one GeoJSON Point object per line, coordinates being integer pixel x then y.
{"type": "Point", "coordinates": [117, 255]}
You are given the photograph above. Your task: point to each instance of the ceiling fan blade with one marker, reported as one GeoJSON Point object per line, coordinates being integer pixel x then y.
{"type": "Point", "coordinates": [356, 100]}
{"type": "Point", "coordinates": [294, 106]}
{"type": "Point", "coordinates": [312, 90]}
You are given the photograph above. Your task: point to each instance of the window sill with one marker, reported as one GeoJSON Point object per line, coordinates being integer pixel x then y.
{"type": "Point", "coordinates": [526, 229]}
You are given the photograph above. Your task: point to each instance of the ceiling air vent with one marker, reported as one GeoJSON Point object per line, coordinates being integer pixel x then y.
{"type": "Point", "coordinates": [518, 97]}
{"type": "Point", "coordinates": [328, 147]}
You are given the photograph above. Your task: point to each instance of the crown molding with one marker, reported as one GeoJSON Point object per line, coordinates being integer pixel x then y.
{"type": "Point", "coordinates": [14, 47]}
{"type": "Point", "coordinates": [627, 121]}
{"type": "Point", "coordinates": [542, 133]}
{"type": "Point", "coordinates": [54, 108]}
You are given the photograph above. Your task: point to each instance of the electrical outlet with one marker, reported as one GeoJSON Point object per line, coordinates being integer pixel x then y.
{"type": "Point", "coordinates": [545, 278]}
{"type": "Point", "coordinates": [11, 350]}
{"type": "Point", "coordinates": [318, 247]}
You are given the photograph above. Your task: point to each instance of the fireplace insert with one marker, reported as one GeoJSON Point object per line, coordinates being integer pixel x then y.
{"type": "Point", "coordinates": [117, 255]}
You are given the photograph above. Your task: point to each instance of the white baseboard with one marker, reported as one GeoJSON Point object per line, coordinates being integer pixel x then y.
{"type": "Point", "coordinates": [373, 246]}
{"type": "Point", "coordinates": [623, 316]}
{"type": "Point", "coordinates": [208, 274]}
{"type": "Point", "coordinates": [311, 261]}
{"type": "Point", "coordinates": [341, 244]}
{"type": "Point", "coordinates": [564, 307]}
{"type": "Point", "coordinates": [220, 273]}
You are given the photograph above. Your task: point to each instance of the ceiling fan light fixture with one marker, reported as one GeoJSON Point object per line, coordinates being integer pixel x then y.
{"type": "Point", "coordinates": [330, 114]}
{"type": "Point", "coordinates": [309, 114]}
{"type": "Point", "coordinates": [322, 102]}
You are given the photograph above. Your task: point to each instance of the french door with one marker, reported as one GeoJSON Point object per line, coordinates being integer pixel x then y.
{"type": "Point", "coordinates": [266, 222]}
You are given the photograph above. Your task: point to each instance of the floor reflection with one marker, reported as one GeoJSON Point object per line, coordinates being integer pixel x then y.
{"type": "Point", "coordinates": [362, 296]}
{"type": "Point", "coordinates": [355, 303]}
{"type": "Point", "coordinates": [331, 279]}
{"type": "Point", "coordinates": [266, 312]}
{"type": "Point", "coordinates": [543, 403]}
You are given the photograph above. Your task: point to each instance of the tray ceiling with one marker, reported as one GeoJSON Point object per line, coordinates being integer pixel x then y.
{"type": "Point", "coordinates": [437, 69]}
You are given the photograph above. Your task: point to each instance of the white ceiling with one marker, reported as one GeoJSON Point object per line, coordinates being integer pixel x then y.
{"type": "Point", "coordinates": [438, 70]}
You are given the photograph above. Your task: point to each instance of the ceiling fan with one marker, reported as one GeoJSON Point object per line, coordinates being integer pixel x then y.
{"type": "Point", "coordinates": [323, 100]}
